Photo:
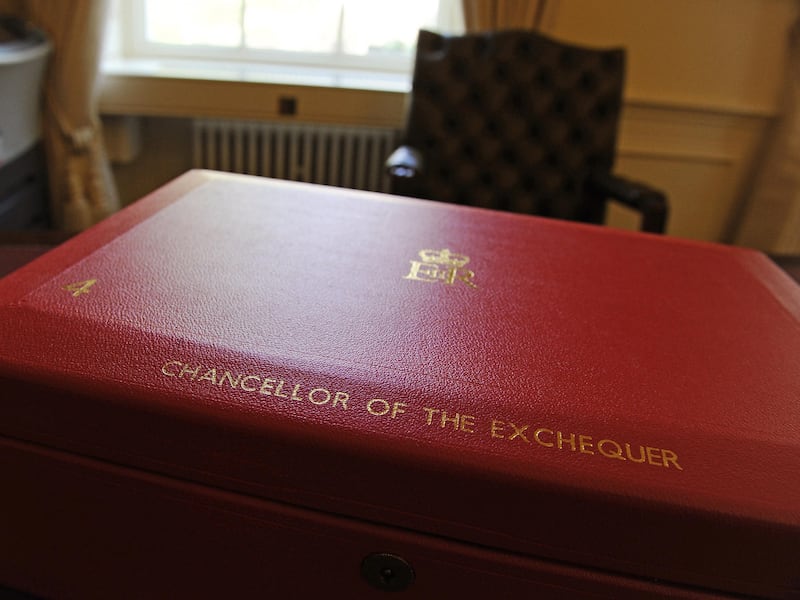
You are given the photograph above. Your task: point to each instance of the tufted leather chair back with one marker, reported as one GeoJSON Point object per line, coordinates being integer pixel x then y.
{"type": "Point", "coordinates": [513, 120]}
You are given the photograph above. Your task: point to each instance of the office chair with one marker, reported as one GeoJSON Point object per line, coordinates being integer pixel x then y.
{"type": "Point", "coordinates": [517, 121]}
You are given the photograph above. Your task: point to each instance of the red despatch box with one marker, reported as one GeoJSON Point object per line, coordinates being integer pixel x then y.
{"type": "Point", "coordinates": [240, 387]}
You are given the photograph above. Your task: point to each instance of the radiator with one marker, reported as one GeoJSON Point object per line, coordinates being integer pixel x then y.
{"type": "Point", "coordinates": [344, 156]}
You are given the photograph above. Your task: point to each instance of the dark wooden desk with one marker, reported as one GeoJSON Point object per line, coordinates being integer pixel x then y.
{"type": "Point", "coordinates": [19, 248]}
{"type": "Point", "coordinates": [790, 264]}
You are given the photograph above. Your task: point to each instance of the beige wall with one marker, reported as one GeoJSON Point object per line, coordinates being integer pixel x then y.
{"type": "Point", "coordinates": [719, 54]}
{"type": "Point", "coordinates": [704, 81]}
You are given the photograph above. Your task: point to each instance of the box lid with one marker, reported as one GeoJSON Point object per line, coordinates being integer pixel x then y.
{"type": "Point", "coordinates": [615, 400]}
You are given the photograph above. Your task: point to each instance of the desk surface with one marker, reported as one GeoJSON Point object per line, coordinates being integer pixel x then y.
{"type": "Point", "coordinates": [19, 248]}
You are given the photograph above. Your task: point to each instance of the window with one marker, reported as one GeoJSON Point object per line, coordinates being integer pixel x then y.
{"type": "Point", "coordinates": [356, 35]}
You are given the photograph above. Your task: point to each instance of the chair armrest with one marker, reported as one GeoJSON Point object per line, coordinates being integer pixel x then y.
{"type": "Point", "coordinates": [405, 162]}
{"type": "Point", "coordinates": [651, 202]}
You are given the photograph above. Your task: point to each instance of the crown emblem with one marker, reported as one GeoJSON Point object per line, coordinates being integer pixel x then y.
{"type": "Point", "coordinates": [441, 266]}
{"type": "Point", "coordinates": [443, 257]}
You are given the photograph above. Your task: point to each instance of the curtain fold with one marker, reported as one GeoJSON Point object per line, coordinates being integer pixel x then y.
{"type": "Point", "coordinates": [82, 190]}
{"type": "Point", "coordinates": [11, 7]}
{"type": "Point", "coordinates": [770, 220]}
{"type": "Point", "coordinates": [492, 15]}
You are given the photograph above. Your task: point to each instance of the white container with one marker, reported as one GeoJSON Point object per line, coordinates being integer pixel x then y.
{"type": "Point", "coordinates": [23, 54]}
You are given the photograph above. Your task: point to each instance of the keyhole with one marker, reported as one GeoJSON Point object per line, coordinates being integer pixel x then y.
{"type": "Point", "coordinates": [387, 575]}
{"type": "Point", "coordinates": [387, 572]}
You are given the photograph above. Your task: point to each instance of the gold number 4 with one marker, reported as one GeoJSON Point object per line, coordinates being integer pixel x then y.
{"type": "Point", "coordinates": [80, 287]}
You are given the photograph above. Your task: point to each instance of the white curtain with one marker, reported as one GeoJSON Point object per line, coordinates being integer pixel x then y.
{"type": "Point", "coordinates": [492, 15]}
{"type": "Point", "coordinates": [82, 189]}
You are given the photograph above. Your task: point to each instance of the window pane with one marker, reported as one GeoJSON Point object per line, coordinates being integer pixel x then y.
{"type": "Point", "coordinates": [196, 22]}
{"type": "Point", "coordinates": [385, 27]}
{"type": "Point", "coordinates": [373, 34]}
{"type": "Point", "coordinates": [293, 25]}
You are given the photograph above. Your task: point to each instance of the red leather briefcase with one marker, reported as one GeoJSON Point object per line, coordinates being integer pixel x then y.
{"type": "Point", "coordinates": [238, 387]}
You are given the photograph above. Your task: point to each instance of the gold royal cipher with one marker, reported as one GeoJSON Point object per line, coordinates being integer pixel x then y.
{"type": "Point", "coordinates": [441, 266]}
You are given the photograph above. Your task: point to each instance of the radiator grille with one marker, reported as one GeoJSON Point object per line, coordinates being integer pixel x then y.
{"type": "Point", "coordinates": [329, 154]}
